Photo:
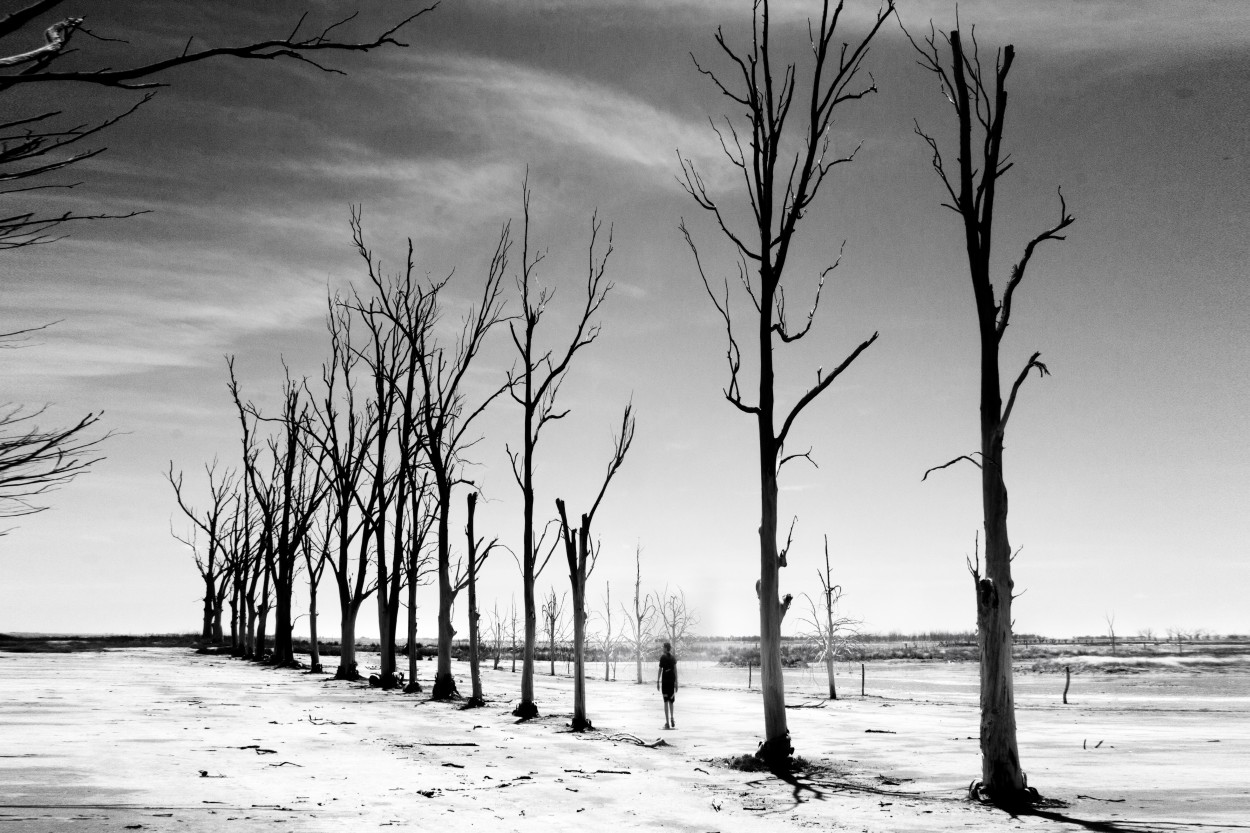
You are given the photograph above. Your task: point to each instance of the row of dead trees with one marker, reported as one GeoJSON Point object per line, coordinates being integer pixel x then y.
{"type": "Point", "coordinates": [357, 471]}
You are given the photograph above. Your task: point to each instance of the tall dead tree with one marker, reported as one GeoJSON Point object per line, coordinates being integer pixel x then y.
{"type": "Point", "coordinates": [979, 97]}
{"type": "Point", "coordinates": [782, 176]}
{"type": "Point", "coordinates": [446, 417]}
{"type": "Point", "coordinates": [641, 619]}
{"type": "Point", "coordinates": [342, 430]}
{"type": "Point", "coordinates": [213, 523]}
{"type": "Point", "coordinates": [581, 552]}
{"type": "Point", "coordinates": [398, 316]}
{"type": "Point", "coordinates": [535, 387]}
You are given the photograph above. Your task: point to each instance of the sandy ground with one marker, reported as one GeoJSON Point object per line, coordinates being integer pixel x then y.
{"type": "Point", "coordinates": [163, 739]}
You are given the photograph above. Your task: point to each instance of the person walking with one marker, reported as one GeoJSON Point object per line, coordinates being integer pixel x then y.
{"type": "Point", "coordinates": [666, 682]}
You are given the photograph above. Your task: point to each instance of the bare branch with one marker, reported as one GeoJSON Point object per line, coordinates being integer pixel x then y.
{"type": "Point", "coordinates": [1017, 272]}
{"type": "Point", "coordinates": [1042, 370]}
{"type": "Point", "coordinates": [951, 463]}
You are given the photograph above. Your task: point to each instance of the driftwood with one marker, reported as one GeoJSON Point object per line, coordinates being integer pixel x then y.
{"type": "Point", "coordinates": [626, 737]}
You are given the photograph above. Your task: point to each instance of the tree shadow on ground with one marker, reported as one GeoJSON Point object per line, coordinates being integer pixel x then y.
{"type": "Point", "coordinates": [1051, 812]}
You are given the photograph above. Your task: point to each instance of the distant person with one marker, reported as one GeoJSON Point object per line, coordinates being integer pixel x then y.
{"type": "Point", "coordinates": [666, 682]}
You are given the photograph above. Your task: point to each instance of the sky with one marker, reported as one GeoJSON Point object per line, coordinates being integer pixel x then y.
{"type": "Point", "coordinates": [1128, 467]}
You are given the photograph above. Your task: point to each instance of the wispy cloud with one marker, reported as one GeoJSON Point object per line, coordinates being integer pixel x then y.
{"type": "Point", "coordinates": [511, 104]}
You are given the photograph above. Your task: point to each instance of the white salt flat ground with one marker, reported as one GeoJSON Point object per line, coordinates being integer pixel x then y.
{"type": "Point", "coordinates": [169, 740]}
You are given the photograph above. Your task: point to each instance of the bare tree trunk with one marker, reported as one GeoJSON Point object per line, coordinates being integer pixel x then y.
{"type": "Point", "coordinates": [576, 542]}
{"type": "Point", "coordinates": [413, 685]}
{"type": "Point", "coordinates": [314, 650]}
{"type": "Point", "coordinates": [444, 682]}
{"type": "Point", "coordinates": [475, 672]}
{"type": "Point", "coordinates": [234, 618]}
{"type": "Point", "coordinates": [347, 669]}
{"type": "Point", "coordinates": [250, 637]}
{"type": "Point", "coordinates": [210, 592]}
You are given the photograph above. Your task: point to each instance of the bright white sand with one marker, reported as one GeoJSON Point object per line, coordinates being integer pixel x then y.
{"type": "Point", "coordinates": [124, 740]}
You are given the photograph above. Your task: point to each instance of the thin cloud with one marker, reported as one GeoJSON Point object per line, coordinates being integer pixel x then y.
{"type": "Point", "coordinates": [509, 103]}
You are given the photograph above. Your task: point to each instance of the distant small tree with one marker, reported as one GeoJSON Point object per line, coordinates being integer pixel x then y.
{"type": "Point", "coordinates": [553, 612]}
{"type": "Point", "coordinates": [831, 632]}
{"type": "Point", "coordinates": [678, 617]}
{"type": "Point", "coordinates": [514, 623]}
{"type": "Point", "coordinates": [212, 521]}
{"type": "Point", "coordinates": [1110, 617]}
{"type": "Point", "coordinates": [640, 620]}
{"type": "Point", "coordinates": [609, 638]}
{"type": "Point", "coordinates": [495, 634]}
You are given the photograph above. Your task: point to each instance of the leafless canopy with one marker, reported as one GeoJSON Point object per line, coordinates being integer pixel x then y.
{"type": "Point", "coordinates": [35, 460]}
{"type": "Point", "coordinates": [47, 139]}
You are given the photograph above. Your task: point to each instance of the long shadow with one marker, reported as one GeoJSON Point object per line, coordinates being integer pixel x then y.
{"type": "Point", "coordinates": [1098, 826]}
{"type": "Point", "coordinates": [799, 785]}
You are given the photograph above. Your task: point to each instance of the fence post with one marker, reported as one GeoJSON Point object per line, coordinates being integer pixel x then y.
{"type": "Point", "coordinates": [1067, 681]}
{"type": "Point", "coordinates": [861, 679]}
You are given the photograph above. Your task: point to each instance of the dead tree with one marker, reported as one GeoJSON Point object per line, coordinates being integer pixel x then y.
{"type": "Point", "coordinates": [641, 619]}
{"type": "Point", "coordinates": [495, 632]}
{"type": "Point", "coordinates": [782, 179]}
{"type": "Point", "coordinates": [513, 633]}
{"type": "Point", "coordinates": [288, 502]}
{"type": "Point", "coordinates": [212, 522]}
{"type": "Point", "coordinates": [979, 97]}
{"type": "Point", "coordinates": [678, 617]}
{"type": "Point", "coordinates": [1110, 617]}
{"type": "Point", "coordinates": [582, 552]}
{"type": "Point", "coordinates": [553, 613]}
{"type": "Point", "coordinates": [535, 387]}
{"type": "Point", "coordinates": [444, 419]}
{"type": "Point", "coordinates": [830, 631]}
{"type": "Point", "coordinates": [476, 557]}
{"type": "Point", "coordinates": [610, 637]}
{"type": "Point", "coordinates": [342, 429]}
